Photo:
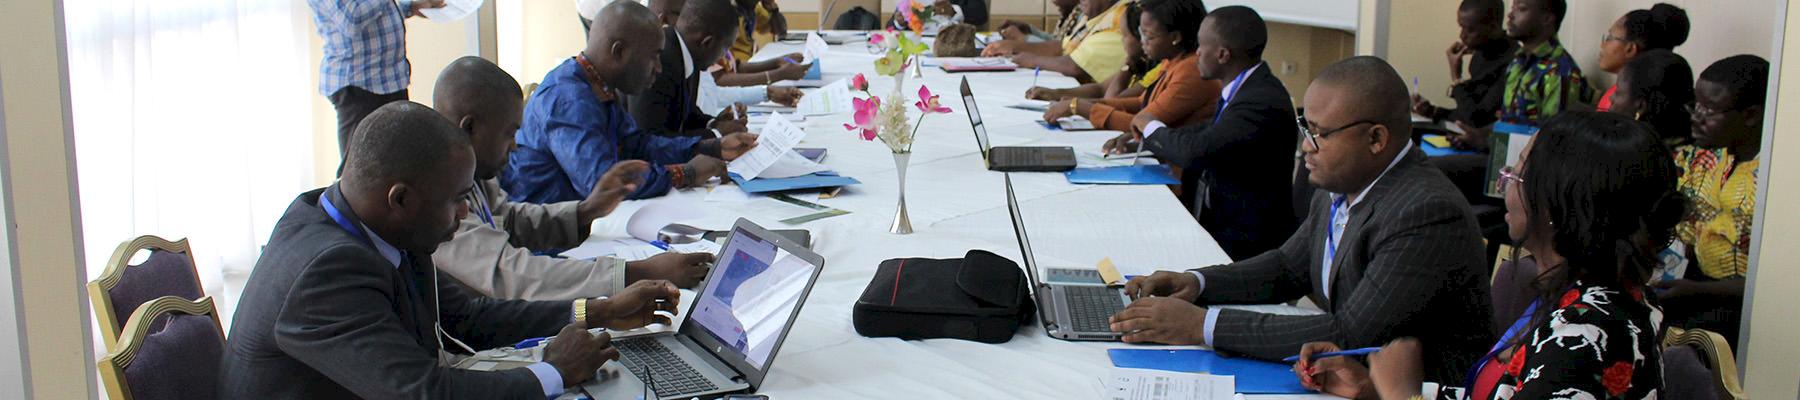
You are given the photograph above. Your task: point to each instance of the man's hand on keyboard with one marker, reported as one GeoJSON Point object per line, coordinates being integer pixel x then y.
{"type": "Point", "coordinates": [1164, 320]}
{"type": "Point", "coordinates": [635, 306]}
{"type": "Point", "coordinates": [576, 354]}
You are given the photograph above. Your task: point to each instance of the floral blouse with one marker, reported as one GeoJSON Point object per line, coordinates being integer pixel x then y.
{"type": "Point", "coordinates": [1600, 343]}
{"type": "Point", "coordinates": [1721, 193]}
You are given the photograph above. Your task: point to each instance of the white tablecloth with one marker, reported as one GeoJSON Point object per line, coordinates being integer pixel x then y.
{"type": "Point", "coordinates": [956, 205]}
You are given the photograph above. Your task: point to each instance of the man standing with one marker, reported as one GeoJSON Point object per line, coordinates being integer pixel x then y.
{"type": "Point", "coordinates": [1237, 166]}
{"type": "Point", "coordinates": [1388, 250]}
{"type": "Point", "coordinates": [492, 249]}
{"type": "Point", "coordinates": [345, 303]}
{"type": "Point", "coordinates": [365, 57]}
{"type": "Point", "coordinates": [701, 31]}
{"type": "Point", "coordinates": [576, 125]}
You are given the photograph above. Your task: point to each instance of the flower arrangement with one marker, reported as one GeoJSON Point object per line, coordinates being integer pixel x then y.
{"type": "Point", "coordinates": [914, 14]}
{"type": "Point", "coordinates": [888, 122]}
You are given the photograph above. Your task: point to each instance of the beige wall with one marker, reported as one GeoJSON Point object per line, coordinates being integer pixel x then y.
{"type": "Point", "coordinates": [1774, 334]}
{"type": "Point", "coordinates": [41, 165]}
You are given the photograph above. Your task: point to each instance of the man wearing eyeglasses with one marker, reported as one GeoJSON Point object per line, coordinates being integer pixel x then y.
{"type": "Point", "coordinates": [1389, 249]}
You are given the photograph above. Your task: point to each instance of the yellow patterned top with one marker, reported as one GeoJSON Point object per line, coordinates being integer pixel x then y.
{"type": "Point", "coordinates": [1149, 77]}
{"type": "Point", "coordinates": [1722, 202]}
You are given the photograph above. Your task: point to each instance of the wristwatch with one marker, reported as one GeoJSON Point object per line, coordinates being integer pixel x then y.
{"type": "Point", "coordinates": [580, 311]}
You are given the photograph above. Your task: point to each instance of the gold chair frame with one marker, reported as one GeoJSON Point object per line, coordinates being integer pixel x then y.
{"type": "Point", "coordinates": [1717, 352]}
{"type": "Point", "coordinates": [137, 327]}
{"type": "Point", "coordinates": [98, 289]}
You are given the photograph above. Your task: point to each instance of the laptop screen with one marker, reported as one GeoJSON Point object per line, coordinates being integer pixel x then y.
{"type": "Point", "coordinates": [749, 301]}
{"type": "Point", "coordinates": [981, 137]}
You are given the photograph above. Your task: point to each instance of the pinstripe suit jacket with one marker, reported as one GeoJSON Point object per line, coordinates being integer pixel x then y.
{"type": "Point", "coordinates": [1409, 264]}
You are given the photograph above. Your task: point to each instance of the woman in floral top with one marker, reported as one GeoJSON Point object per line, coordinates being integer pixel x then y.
{"type": "Point", "coordinates": [1593, 198]}
{"type": "Point", "coordinates": [1719, 178]}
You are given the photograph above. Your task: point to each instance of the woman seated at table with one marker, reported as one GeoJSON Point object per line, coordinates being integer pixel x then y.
{"type": "Point", "coordinates": [1169, 30]}
{"type": "Point", "coordinates": [1656, 88]}
{"type": "Point", "coordinates": [1594, 229]}
{"type": "Point", "coordinates": [1129, 82]}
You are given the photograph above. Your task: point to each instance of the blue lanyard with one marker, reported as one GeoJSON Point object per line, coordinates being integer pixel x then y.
{"type": "Point", "coordinates": [1517, 328]}
{"type": "Point", "coordinates": [481, 200]}
{"type": "Point", "coordinates": [1235, 85]}
{"type": "Point", "coordinates": [331, 210]}
{"type": "Point", "coordinates": [1331, 233]}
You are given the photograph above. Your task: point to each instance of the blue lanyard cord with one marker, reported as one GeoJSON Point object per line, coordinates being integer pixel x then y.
{"type": "Point", "coordinates": [1331, 231]}
{"type": "Point", "coordinates": [1232, 87]}
{"type": "Point", "coordinates": [331, 210]}
{"type": "Point", "coordinates": [1517, 328]}
{"type": "Point", "coordinates": [480, 200]}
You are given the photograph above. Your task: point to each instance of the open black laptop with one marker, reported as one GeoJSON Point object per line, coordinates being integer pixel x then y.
{"type": "Point", "coordinates": [1014, 158]}
{"type": "Point", "coordinates": [728, 341]}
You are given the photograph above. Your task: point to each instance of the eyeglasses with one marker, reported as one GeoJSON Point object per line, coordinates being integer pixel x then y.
{"type": "Point", "coordinates": [1701, 111]}
{"type": "Point", "coordinates": [1313, 139]}
{"type": "Point", "coordinates": [1608, 37]}
{"type": "Point", "coordinates": [1507, 175]}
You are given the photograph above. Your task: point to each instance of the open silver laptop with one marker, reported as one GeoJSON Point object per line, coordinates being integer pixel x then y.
{"type": "Point", "coordinates": [1069, 311]}
{"type": "Point", "coordinates": [829, 39]}
{"type": "Point", "coordinates": [729, 338]}
{"type": "Point", "coordinates": [1014, 158]}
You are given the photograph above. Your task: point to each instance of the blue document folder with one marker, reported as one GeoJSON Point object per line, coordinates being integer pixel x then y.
{"type": "Point", "coordinates": [814, 181]}
{"type": "Point", "coordinates": [1253, 376]}
{"type": "Point", "coordinates": [816, 72]}
{"type": "Point", "coordinates": [1125, 175]}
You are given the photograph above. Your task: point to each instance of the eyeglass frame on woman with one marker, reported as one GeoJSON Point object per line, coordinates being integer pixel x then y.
{"type": "Point", "coordinates": [1507, 173]}
{"type": "Point", "coordinates": [1313, 139]}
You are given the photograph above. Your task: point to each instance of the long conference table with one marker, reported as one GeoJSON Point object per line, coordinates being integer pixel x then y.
{"type": "Point", "coordinates": [956, 205]}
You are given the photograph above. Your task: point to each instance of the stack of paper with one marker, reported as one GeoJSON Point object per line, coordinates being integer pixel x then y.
{"type": "Point", "coordinates": [1138, 384]}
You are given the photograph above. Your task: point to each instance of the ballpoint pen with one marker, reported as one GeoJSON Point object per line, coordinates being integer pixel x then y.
{"type": "Point", "coordinates": [1357, 352]}
{"type": "Point", "coordinates": [1034, 75]}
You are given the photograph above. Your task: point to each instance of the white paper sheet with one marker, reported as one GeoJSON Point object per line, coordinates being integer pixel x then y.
{"type": "Point", "coordinates": [790, 165]}
{"type": "Point", "coordinates": [774, 141]}
{"type": "Point", "coordinates": [1032, 105]}
{"type": "Point", "coordinates": [830, 99]}
{"type": "Point", "coordinates": [1143, 384]}
{"type": "Point", "coordinates": [728, 194]}
{"type": "Point", "coordinates": [453, 10]}
{"type": "Point", "coordinates": [974, 62]}
{"type": "Point", "coordinates": [815, 48]}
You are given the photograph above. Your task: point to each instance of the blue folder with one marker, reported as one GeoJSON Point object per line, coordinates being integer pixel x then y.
{"type": "Point", "coordinates": [1125, 175]}
{"type": "Point", "coordinates": [813, 181]}
{"type": "Point", "coordinates": [1253, 376]}
{"type": "Point", "coordinates": [816, 72]}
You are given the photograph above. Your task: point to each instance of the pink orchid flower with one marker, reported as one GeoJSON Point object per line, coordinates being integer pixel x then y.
{"type": "Point", "coordinates": [858, 82]}
{"type": "Point", "coordinates": [877, 39]}
{"type": "Point", "coordinates": [866, 109]}
{"type": "Point", "coordinates": [928, 103]}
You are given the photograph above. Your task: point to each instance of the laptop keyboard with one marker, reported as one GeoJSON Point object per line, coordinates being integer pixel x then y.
{"type": "Point", "coordinates": [669, 375]}
{"type": "Point", "coordinates": [1091, 306]}
{"type": "Point", "coordinates": [1019, 156]}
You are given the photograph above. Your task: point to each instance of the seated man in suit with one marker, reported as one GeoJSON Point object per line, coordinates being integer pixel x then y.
{"type": "Point", "coordinates": [1389, 249]}
{"type": "Point", "coordinates": [1237, 165]}
{"type": "Point", "coordinates": [576, 126]}
{"type": "Point", "coordinates": [700, 32]}
{"type": "Point", "coordinates": [345, 303]}
{"type": "Point", "coordinates": [492, 249]}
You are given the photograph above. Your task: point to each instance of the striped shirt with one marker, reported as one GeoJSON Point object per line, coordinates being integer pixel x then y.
{"type": "Point", "coordinates": [365, 44]}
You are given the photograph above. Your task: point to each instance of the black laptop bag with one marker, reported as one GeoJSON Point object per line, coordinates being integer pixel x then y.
{"type": "Point", "coordinates": [981, 297]}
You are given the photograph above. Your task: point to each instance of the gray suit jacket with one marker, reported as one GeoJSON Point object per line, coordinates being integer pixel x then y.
{"type": "Point", "coordinates": [324, 316]}
{"type": "Point", "coordinates": [497, 260]}
{"type": "Point", "coordinates": [1409, 264]}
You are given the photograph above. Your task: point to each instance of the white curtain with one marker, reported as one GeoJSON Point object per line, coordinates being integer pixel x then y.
{"type": "Point", "coordinates": [192, 120]}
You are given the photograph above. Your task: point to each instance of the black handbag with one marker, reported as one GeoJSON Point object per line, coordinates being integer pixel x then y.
{"type": "Point", "coordinates": [981, 297]}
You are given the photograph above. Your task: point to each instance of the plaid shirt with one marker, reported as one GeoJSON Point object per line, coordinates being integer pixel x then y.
{"type": "Point", "coordinates": [1542, 82]}
{"type": "Point", "coordinates": [365, 44]}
